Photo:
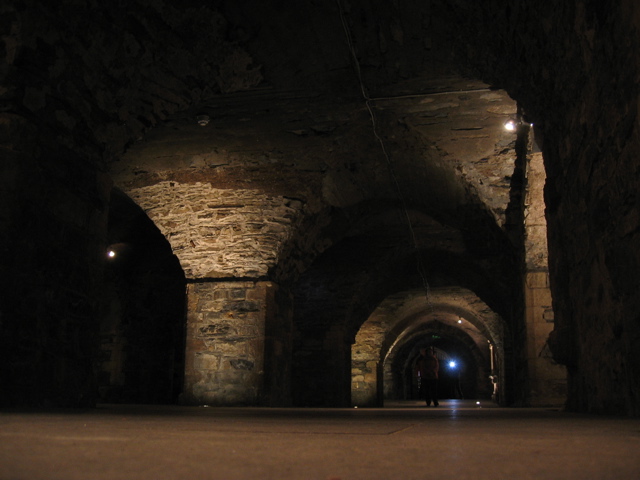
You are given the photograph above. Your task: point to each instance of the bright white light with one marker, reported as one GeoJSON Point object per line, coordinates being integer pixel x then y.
{"type": "Point", "coordinates": [510, 125]}
{"type": "Point", "coordinates": [459, 321]}
{"type": "Point", "coordinates": [111, 254]}
{"type": "Point", "coordinates": [452, 364]}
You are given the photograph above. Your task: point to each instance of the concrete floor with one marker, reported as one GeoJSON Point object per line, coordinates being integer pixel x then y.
{"type": "Point", "coordinates": [405, 441]}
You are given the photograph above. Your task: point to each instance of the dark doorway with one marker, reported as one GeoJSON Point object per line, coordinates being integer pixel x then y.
{"type": "Point", "coordinates": [143, 325]}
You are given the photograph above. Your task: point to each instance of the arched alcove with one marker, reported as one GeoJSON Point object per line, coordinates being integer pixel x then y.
{"type": "Point", "coordinates": [143, 320]}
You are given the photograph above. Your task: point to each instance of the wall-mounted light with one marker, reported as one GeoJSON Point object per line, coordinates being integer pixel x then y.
{"type": "Point", "coordinates": [511, 125]}
{"type": "Point", "coordinates": [453, 364]}
{"type": "Point", "coordinates": [117, 251]}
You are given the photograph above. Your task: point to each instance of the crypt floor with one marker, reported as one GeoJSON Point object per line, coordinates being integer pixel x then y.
{"type": "Point", "coordinates": [406, 440]}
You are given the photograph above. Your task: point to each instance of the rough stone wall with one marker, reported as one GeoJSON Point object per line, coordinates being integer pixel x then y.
{"type": "Point", "coordinates": [535, 224]}
{"type": "Point", "coordinates": [79, 81]}
{"type": "Point", "coordinates": [220, 233]}
{"type": "Point", "coordinates": [365, 356]}
{"type": "Point", "coordinates": [593, 210]}
{"type": "Point", "coordinates": [575, 69]}
{"type": "Point", "coordinates": [594, 219]}
{"type": "Point", "coordinates": [573, 66]}
{"type": "Point", "coordinates": [102, 73]}
{"type": "Point", "coordinates": [225, 343]}
{"type": "Point", "coordinates": [52, 221]}
{"type": "Point", "coordinates": [547, 379]}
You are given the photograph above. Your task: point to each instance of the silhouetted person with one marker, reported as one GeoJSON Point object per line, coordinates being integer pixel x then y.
{"type": "Point", "coordinates": [427, 367]}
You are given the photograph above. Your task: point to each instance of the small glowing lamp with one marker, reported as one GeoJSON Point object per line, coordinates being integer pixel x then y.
{"type": "Point", "coordinates": [111, 254]}
{"type": "Point", "coordinates": [452, 364]}
{"type": "Point", "coordinates": [510, 125]}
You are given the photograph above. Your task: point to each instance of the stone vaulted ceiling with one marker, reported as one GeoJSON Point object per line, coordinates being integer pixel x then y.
{"type": "Point", "coordinates": [305, 140]}
{"type": "Point", "coordinates": [353, 154]}
{"type": "Point", "coordinates": [344, 151]}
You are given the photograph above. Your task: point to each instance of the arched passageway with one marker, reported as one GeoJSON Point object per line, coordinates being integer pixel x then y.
{"type": "Point", "coordinates": [299, 173]}
{"type": "Point", "coordinates": [456, 323]}
{"type": "Point", "coordinates": [142, 328]}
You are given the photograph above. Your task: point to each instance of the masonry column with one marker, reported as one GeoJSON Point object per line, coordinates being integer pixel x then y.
{"type": "Point", "coordinates": [225, 342]}
{"type": "Point", "coordinates": [547, 379]}
{"type": "Point", "coordinates": [364, 380]}
{"type": "Point", "coordinates": [366, 368]}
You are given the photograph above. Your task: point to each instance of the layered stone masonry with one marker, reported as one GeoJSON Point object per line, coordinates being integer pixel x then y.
{"type": "Point", "coordinates": [219, 233]}
{"type": "Point", "coordinates": [535, 234]}
{"type": "Point", "coordinates": [225, 343]}
{"type": "Point", "coordinates": [364, 362]}
{"type": "Point", "coordinates": [547, 379]}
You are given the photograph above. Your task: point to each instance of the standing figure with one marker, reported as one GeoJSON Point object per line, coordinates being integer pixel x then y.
{"type": "Point", "coordinates": [427, 367]}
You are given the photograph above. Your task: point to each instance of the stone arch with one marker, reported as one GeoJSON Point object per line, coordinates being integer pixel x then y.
{"type": "Point", "coordinates": [77, 99]}
{"type": "Point", "coordinates": [395, 322]}
{"type": "Point", "coordinates": [142, 326]}
{"type": "Point", "coordinates": [343, 287]}
{"type": "Point", "coordinates": [473, 359]}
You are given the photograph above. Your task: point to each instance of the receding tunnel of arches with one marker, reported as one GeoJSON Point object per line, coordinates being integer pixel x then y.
{"type": "Point", "coordinates": [454, 322]}
{"type": "Point", "coordinates": [282, 288]}
{"type": "Point", "coordinates": [299, 99]}
{"type": "Point", "coordinates": [464, 368]}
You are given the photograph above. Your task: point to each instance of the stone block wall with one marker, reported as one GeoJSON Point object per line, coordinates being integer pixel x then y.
{"type": "Point", "coordinates": [219, 232]}
{"type": "Point", "coordinates": [547, 379]}
{"type": "Point", "coordinates": [574, 69]}
{"type": "Point", "coordinates": [80, 81]}
{"type": "Point", "coordinates": [225, 343]}
{"type": "Point", "coordinates": [364, 364]}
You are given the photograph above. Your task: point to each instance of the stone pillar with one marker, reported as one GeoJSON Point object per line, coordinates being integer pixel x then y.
{"type": "Point", "coordinates": [364, 373]}
{"type": "Point", "coordinates": [366, 369]}
{"type": "Point", "coordinates": [547, 379]}
{"type": "Point", "coordinates": [364, 383]}
{"type": "Point", "coordinates": [225, 342]}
